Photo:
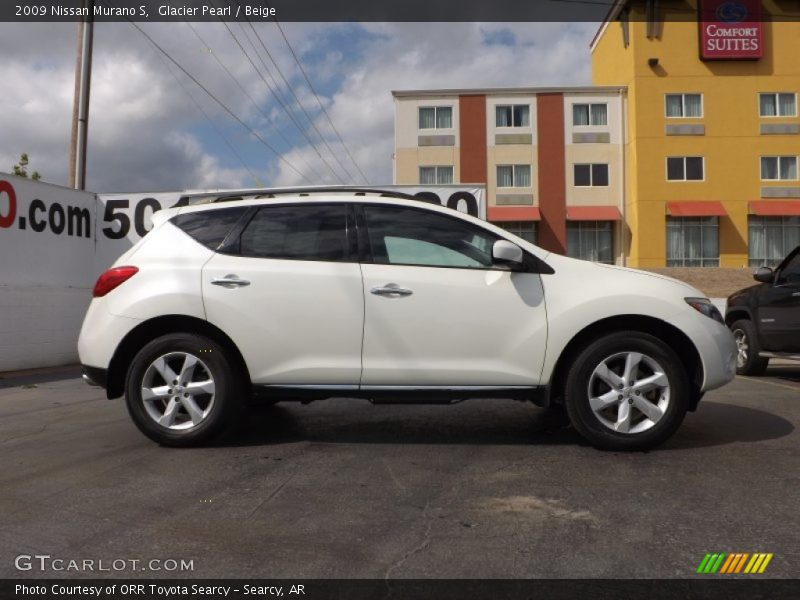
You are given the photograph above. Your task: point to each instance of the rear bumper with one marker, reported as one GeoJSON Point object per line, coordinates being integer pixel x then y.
{"type": "Point", "coordinates": [94, 376]}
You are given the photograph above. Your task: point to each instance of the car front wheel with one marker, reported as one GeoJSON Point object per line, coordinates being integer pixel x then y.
{"type": "Point", "coordinates": [748, 362]}
{"type": "Point", "coordinates": [181, 390]}
{"type": "Point", "coordinates": [627, 391]}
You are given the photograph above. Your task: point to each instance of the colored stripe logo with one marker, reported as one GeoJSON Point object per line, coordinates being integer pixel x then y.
{"type": "Point", "coordinates": [735, 562]}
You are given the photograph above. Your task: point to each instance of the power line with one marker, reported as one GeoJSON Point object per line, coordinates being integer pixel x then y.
{"type": "Point", "coordinates": [249, 97]}
{"type": "Point", "coordinates": [217, 100]}
{"type": "Point", "coordinates": [297, 99]}
{"type": "Point", "coordinates": [280, 101]}
{"type": "Point", "coordinates": [322, 106]}
{"type": "Point", "coordinates": [199, 106]}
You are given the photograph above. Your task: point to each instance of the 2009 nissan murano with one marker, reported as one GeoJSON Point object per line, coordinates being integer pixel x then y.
{"type": "Point", "coordinates": [306, 297]}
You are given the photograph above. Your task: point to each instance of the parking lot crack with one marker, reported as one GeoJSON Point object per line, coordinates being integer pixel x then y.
{"type": "Point", "coordinates": [426, 540]}
{"type": "Point", "coordinates": [274, 493]}
{"type": "Point", "coordinates": [24, 435]}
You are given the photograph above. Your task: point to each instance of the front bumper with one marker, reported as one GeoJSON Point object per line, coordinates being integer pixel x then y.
{"type": "Point", "coordinates": [715, 345]}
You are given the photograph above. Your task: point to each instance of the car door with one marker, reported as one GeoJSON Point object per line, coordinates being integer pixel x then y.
{"type": "Point", "coordinates": [438, 312]}
{"type": "Point", "coordinates": [288, 291]}
{"type": "Point", "coordinates": [779, 308]}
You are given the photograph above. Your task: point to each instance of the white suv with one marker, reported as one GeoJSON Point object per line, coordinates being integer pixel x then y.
{"type": "Point", "coordinates": [390, 299]}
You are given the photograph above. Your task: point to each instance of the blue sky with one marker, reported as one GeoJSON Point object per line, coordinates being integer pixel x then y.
{"type": "Point", "coordinates": [146, 134]}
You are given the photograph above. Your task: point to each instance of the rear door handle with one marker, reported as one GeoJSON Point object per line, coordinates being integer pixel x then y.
{"type": "Point", "coordinates": [391, 289]}
{"type": "Point", "coordinates": [230, 281]}
{"type": "Point", "coordinates": [795, 294]}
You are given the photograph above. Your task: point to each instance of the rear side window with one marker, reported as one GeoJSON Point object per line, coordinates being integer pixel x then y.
{"type": "Point", "coordinates": [309, 232]}
{"type": "Point", "coordinates": [209, 227]}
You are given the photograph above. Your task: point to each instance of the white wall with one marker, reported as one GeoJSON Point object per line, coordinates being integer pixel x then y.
{"type": "Point", "coordinates": [46, 271]}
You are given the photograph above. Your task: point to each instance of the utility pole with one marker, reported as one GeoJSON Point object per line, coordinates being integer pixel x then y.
{"type": "Point", "coordinates": [80, 107]}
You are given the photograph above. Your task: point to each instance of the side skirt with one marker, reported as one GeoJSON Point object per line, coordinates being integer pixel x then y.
{"type": "Point", "coordinates": [390, 394]}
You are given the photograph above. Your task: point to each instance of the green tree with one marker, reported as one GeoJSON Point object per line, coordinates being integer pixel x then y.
{"type": "Point", "coordinates": [21, 168]}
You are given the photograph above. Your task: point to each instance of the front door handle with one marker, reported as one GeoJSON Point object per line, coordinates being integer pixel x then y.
{"type": "Point", "coordinates": [796, 294]}
{"type": "Point", "coordinates": [391, 289]}
{"type": "Point", "coordinates": [230, 281]}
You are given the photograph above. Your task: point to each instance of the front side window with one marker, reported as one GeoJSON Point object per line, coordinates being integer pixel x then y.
{"type": "Point", "coordinates": [789, 272]}
{"type": "Point", "coordinates": [407, 236]}
{"type": "Point", "coordinates": [591, 240]}
{"type": "Point", "coordinates": [777, 105]}
{"type": "Point", "coordinates": [435, 117]}
{"type": "Point", "coordinates": [523, 229]}
{"type": "Point", "coordinates": [775, 168]}
{"type": "Point", "coordinates": [685, 168]}
{"type": "Point", "coordinates": [692, 241]}
{"type": "Point", "coordinates": [595, 175]}
{"type": "Point", "coordinates": [439, 175]}
{"type": "Point", "coordinates": [684, 105]}
{"type": "Point", "coordinates": [770, 239]}
{"type": "Point", "coordinates": [589, 114]}
{"type": "Point", "coordinates": [310, 232]}
{"type": "Point", "coordinates": [517, 176]}
{"type": "Point", "coordinates": [517, 115]}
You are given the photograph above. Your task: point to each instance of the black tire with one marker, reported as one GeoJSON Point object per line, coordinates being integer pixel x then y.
{"type": "Point", "coordinates": [610, 350]}
{"type": "Point", "coordinates": [218, 411]}
{"type": "Point", "coordinates": [749, 362]}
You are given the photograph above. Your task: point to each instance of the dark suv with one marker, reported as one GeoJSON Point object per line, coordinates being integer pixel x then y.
{"type": "Point", "coordinates": [765, 318]}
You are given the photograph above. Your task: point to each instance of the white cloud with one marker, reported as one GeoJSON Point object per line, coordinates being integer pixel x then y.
{"type": "Point", "coordinates": [145, 134]}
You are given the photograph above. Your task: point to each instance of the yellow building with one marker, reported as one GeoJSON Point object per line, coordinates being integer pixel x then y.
{"type": "Point", "coordinates": [712, 129]}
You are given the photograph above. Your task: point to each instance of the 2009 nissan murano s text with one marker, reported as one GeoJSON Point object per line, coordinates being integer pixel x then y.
{"type": "Point", "coordinates": [389, 299]}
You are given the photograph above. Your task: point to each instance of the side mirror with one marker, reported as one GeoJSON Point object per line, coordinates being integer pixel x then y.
{"type": "Point", "coordinates": [504, 252]}
{"type": "Point", "coordinates": [764, 275]}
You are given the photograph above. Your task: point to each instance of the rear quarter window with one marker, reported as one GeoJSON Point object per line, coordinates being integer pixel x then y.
{"type": "Point", "coordinates": [209, 227]}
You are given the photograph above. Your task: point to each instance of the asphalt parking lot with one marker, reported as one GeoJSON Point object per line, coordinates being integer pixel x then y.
{"type": "Point", "coordinates": [340, 488]}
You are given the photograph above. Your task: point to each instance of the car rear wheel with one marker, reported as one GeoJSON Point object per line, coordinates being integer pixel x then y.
{"type": "Point", "coordinates": [181, 390]}
{"type": "Point", "coordinates": [748, 362]}
{"type": "Point", "coordinates": [627, 391]}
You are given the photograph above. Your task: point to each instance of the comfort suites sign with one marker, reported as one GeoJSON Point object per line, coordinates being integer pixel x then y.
{"type": "Point", "coordinates": [730, 29]}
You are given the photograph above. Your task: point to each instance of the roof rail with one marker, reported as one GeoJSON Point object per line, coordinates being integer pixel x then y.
{"type": "Point", "coordinates": [233, 195]}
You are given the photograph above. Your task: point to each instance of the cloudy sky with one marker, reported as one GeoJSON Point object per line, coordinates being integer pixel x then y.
{"type": "Point", "coordinates": [148, 130]}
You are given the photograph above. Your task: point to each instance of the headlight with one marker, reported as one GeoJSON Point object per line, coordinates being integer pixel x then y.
{"type": "Point", "coordinates": [705, 306]}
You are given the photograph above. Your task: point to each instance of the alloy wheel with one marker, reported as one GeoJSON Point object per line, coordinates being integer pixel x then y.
{"type": "Point", "coordinates": [742, 348]}
{"type": "Point", "coordinates": [629, 392]}
{"type": "Point", "coordinates": [178, 391]}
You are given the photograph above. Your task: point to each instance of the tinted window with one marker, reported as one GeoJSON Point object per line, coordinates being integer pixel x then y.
{"type": "Point", "coordinates": [583, 175]}
{"type": "Point", "coordinates": [600, 174]}
{"type": "Point", "coordinates": [790, 273]}
{"type": "Point", "coordinates": [694, 168]}
{"type": "Point", "coordinates": [405, 236]}
{"type": "Point", "coordinates": [209, 227]}
{"type": "Point", "coordinates": [311, 232]}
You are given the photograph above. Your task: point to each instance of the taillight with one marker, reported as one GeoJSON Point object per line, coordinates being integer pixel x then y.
{"type": "Point", "coordinates": [111, 279]}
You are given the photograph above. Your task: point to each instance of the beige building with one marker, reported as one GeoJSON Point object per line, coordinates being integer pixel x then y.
{"type": "Point", "coordinates": [551, 159]}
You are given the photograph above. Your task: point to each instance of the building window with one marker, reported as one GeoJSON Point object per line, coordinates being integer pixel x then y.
{"type": "Point", "coordinates": [595, 175]}
{"type": "Point", "coordinates": [589, 114]}
{"type": "Point", "coordinates": [516, 176]}
{"type": "Point", "coordinates": [776, 168]}
{"type": "Point", "coordinates": [771, 239]}
{"type": "Point", "coordinates": [684, 105]}
{"type": "Point", "coordinates": [591, 240]}
{"type": "Point", "coordinates": [685, 168]}
{"type": "Point", "coordinates": [692, 241]}
{"type": "Point", "coordinates": [436, 117]}
{"type": "Point", "coordinates": [524, 229]}
{"type": "Point", "coordinates": [518, 115]}
{"type": "Point", "coordinates": [438, 175]}
{"type": "Point", "coordinates": [777, 105]}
